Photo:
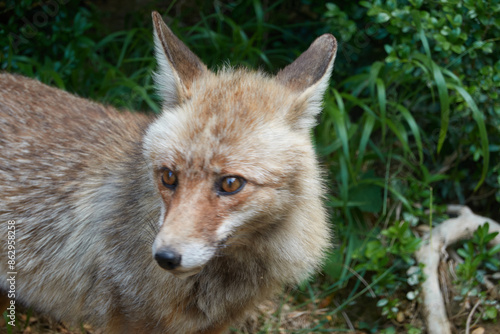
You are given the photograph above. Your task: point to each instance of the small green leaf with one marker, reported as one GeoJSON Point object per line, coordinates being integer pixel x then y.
{"type": "Point", "coordinates": [490, 313]}
{"type": "Point", "coordinates": [382, 302]}
{"type": "Point", "coordinates": [382, 17]}
{"type": "Point", "coordinates": [462, 253]}
{"type": "Point", "coordinates": [457, 20]}
{"type": "Point", "coordinates": [458, 48]}
{"type": "Point", "coordinates": [493, 250]}
{"type": "Point", "coordinates": [411, 295]}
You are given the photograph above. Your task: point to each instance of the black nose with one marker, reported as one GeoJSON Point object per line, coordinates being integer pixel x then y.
{"type": "Point", "coordinates": [168, 259]}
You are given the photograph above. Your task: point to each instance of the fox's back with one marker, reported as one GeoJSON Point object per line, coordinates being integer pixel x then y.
{"type": "Point", "coordinates": [47, 134]}
{"type": "Point", "coordinates": [37, 120]}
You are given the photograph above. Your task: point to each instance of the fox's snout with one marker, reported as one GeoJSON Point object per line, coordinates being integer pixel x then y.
{"type": "Point", "coordinates": [182, 258]}
{"type": "Point", "coordinates": [168, 258]}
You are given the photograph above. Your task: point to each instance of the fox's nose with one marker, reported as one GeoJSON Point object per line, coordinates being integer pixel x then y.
{"type": "Point", "coordinates": [168, 258]}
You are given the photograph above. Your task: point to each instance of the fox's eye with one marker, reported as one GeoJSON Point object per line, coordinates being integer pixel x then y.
{"type": "Point", "coordinates": [169, 179]}
{"type": "Point", "coordinates": [231, 184]}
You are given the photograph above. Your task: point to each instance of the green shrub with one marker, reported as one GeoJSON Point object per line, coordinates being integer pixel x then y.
{"type": "Point", "coordinates": [57, 42]}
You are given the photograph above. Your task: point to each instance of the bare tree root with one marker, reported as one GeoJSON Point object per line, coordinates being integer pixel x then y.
{"type": "Point", "coordinates": [434, 247]}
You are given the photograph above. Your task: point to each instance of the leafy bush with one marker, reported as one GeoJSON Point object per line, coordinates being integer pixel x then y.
{"type": "Point", "coordinates": [56, 42]}
{"type": "Point", "coordinates": [478, 258]}
{"type": "Point", "coordinates": [412, 128]}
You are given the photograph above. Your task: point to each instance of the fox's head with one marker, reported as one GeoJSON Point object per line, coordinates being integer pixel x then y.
{"type": "Point", "coordinates": [231, 155]}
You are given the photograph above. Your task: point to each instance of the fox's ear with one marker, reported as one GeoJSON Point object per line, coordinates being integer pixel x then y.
{"type": "Point", "coordinates": [178, 67]}
{"type": "Point", "coordinates": [309, 76]}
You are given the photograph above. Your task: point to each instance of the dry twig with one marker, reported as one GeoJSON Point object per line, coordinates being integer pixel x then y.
{"type": "Point", "coordinates": [469, 318]}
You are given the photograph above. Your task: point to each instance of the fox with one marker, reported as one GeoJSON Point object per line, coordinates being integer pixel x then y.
{"type": "Point", "coordinates": [181, 222]}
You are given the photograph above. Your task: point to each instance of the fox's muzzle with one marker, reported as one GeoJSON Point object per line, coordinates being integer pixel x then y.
{"type": "Point", "coordinates": [168, 258]}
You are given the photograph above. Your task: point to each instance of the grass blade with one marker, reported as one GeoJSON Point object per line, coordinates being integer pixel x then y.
{"type": "Point", "coordinates": [337, 112]}
{"type": "Point", "coordinates": [413, 127]}
{"type": "Point", "coordinates": [367, 131]}
{"type": "Point", "coordinates": [478, 116]}
{"type": "Point", "coordinates": [444, 99]}
{"type": "Point", "coordinates": [382, 102]}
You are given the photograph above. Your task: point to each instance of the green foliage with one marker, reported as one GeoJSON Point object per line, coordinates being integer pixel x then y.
{"type": "Point", "coordinates": [490, 313]}
{"type": "Point", "coordinates": [387, 258]}
{"type": "Point", "coordinates": [390, 307]}
{"type": "Point", "coordinates": [388, 330]}
{"type": "Point", "coordinates": [439, 44]}
{"type": "Point", "coordinates": [57, 44]}
{"type": "Point", "coordinates": [413, 330]}
{"type": "Point", "coordinates": [479, 260]}
{"type": "Point", "coordinates": [478, 257]}
{"type": "Point", "coordinates": [413, 84]}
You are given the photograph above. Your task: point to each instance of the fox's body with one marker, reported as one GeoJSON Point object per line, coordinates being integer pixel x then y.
{"type": "Point", "coordinates": [86, 187]}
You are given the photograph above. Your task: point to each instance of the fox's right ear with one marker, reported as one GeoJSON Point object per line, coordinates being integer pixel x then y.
{"type": "Point", "coordinates": [309, 76]}
{"type": "Point", "coordinates": [178, 67]}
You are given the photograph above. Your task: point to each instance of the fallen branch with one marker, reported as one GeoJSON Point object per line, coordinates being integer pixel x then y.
{"type": "Point", "coordinates": [447, 233]}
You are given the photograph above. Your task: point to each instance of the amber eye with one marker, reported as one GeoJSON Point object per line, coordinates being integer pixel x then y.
{"type": "Point", "coordinates": [231, 184]}
{"type": "Point", "coordinates": [168, 178]}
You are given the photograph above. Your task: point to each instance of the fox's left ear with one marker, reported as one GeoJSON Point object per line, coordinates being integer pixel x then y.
{"type": "Point", "coordinates": [309, 76]}
{"type": "Point", "coordinates": [178, 67]}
